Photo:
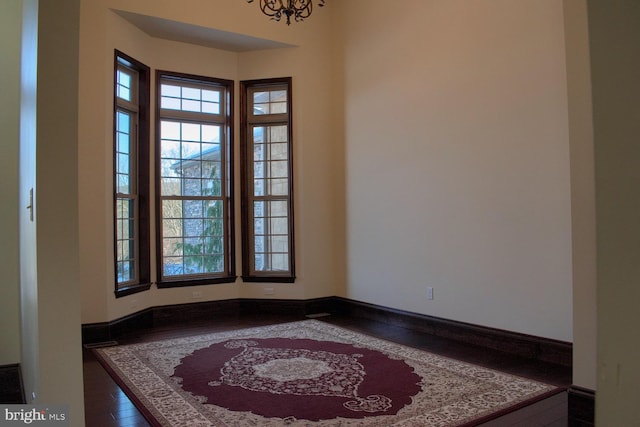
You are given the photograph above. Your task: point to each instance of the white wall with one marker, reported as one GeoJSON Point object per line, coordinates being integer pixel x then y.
{"type": "Point", "coordinates": [102, 31]}
{"type": "Point", "coordinates": [614, 30]}
{"type": "Point", "coordinates": [457, 161]}
{"type": "Point", "coordinates": [10, 38]}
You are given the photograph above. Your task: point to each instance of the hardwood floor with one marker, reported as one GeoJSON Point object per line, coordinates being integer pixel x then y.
{"type": "Point", "coordinates": [106, 405]}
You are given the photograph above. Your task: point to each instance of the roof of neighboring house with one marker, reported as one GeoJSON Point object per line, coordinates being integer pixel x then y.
{"type": "Point", "coordinates": [208, 154]}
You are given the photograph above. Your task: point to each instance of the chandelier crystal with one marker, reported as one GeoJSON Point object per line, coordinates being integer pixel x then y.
{"type": "Point", "coordinates": [298, 9]}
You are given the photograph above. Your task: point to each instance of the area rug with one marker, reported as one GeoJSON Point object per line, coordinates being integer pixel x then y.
{"type": "Point", "coordinates": [308, 373]}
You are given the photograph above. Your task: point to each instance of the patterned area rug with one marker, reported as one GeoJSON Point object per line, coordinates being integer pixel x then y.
{"type": "Point", "coordinates": [308, 373]}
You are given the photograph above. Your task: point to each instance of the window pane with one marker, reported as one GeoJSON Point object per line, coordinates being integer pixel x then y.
{"type": "Point", "coordinates": [170, 149]}
{"type": "Point", "coordinates": [211, 96]}
{"type": "Point", "coordinates": [123, 85]}
{"type": "Point", "coordinates": [277, 133]}
{"type": "Point", "coordinates": [192, 208]}
{"type": "Point", "coordinates": [172, 246]}
{"type": "Point", "coordinates": [123, 184]}
{"type": "Point", "coordinates": [190, 150]}
{"type": "Point", "coordinates": [170, 130]}
{"type": "Point", "coordinates": [190, 105]}
{"type": "Point", "coordinates": [279, 169]}
{"type": "Point", "coordinates": [172, 227]}
{"type": "Point", "coordinates": [278, 187]}
{"type": "Point", "coordinates": [172, 208]}
{"type": "Point", "coordinates": [209, 107]}
{"type": "Point", "coordinates": [279, 151]}
{"type": "Point", "coordinates": [270, 102]}
{"type": "Point", "coordinates": [170, 103]}
{"type": "Point", "coordinates": [191, 93]}
{"type": "Point", "coordinates": [192, 187]}
{"type": "Point", "coordinates": [123, 143]}
{"type": "Point", "coordinates": [211, 133]}
{"type": "Point", "coordinates": [279, 262]}
{"type": "Point", "coordinates": [123, 163]}
{"type": "Point", "coordinates": [123, 122]}
{"type": "Point", "coordinates": [170, 90]}
{"type": "Point", "coordinates": [278, 96]}
{"type": "Point", "coordinates": [191, 132]}
{"type": "Point", "coordinates": [171, 186]}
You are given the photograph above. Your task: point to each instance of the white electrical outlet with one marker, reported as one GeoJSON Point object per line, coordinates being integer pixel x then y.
{"type": "Point", "coordinates": [429, 292]}
{"type": "Point", "coordinates": [196, 294]}
{"type": "Point", "coordinates": [269, 291]}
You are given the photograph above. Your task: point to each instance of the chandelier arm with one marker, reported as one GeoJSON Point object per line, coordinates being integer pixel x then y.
{"type": "Point", "coordinates": [299, 9]}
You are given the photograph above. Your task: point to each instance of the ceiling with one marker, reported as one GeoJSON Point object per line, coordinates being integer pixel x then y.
{"type": "Point", "coordinates": [194, 34]}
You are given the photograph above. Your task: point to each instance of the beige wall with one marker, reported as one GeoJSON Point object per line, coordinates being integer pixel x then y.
{"type": "Point", "coordinates": [59, 346]}
{"type": "Point", "coordinates": [457, 161]}
{"type": "Point", "coordinates": [102, 31]}
{"type": "Point", "coordinates": [614, 30]}
{"type": "Point", "coordinates": [583, 228]}
{"type": "Point", "coordinates": [10, 37]}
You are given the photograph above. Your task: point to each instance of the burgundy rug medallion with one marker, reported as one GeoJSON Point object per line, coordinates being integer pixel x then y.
{"type": "Point", "coordinates": [308, 373]}
{"type": "Point", "coordinates": [301, 378]}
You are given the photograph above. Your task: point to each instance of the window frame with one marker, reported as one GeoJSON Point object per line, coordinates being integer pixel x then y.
{"type": "Point", "coordinates": [229, 273]}
{"type": "Point", "coordinates": [140, 105]}
{"type": "Point", "coordinates": [247, 120]}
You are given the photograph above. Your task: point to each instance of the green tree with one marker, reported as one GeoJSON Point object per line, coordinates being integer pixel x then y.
{"type": "Point", "coordinates": [207, 255]}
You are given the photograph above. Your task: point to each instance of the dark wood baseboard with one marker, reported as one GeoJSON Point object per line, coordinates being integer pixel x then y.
{"type": "Point", "coordinates": [582, 403]}
{"type": "Point", "coordinates": [94, 333]}
{"type": "Point", "coordinates": [11, 387]}
{"type": "Point", "coordinates": [531, 347]}
{"type": "Point", "coordinates": [543, 349]}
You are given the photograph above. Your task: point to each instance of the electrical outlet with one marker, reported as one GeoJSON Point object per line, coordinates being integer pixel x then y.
{"type": "Point", "coordinates": [269, 291]}
{"type": "Point", "coordinates": [196, 294]}
{"type": "Point", "coordinates": [429, 292]}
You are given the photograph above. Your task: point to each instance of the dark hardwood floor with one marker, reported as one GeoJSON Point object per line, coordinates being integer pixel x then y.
{"type": "Point", "coordinates": [106, 405]}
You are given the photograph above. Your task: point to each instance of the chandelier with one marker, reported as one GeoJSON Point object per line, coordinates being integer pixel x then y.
{"type": "Point", "coordinates": [299, 9]}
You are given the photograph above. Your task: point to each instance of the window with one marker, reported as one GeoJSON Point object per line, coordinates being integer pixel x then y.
{"type": "Point", "coordinates": [131, 175]}
{"type": "Point", "coordinates": [267, 186]}
{"type": "Point", "coordinates": [195, 186]}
